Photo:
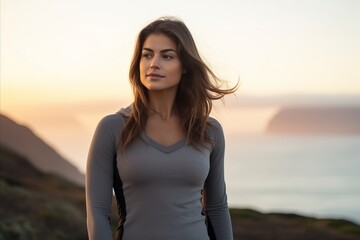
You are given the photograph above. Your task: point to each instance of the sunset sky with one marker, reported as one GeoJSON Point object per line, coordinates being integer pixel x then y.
{"type": "Point", "coordinates": [64, 64]}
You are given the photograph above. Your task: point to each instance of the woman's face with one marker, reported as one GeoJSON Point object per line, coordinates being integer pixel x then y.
{"type": "Point", "coordinates": [160, 66]}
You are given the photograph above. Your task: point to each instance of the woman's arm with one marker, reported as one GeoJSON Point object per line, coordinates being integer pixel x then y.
{"type": "Point", "coordinates": [99, 178]}
{"type": "Point", "coordinates": [218, 217]}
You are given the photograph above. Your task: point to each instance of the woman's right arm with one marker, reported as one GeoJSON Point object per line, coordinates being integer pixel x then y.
{"type": "Point", "coordinates": [99, 179]}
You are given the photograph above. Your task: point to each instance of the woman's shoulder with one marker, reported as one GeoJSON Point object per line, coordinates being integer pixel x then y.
{"type": "Point", "coordinates": [115, 120]}
{"type": "Point", "coordinates": [214, 127]}
{"type": "Point", "coordinates": [214, 122]}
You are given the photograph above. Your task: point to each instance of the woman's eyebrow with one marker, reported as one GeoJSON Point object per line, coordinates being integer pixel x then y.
{"type": "Point", "coordinates": [162, 51]}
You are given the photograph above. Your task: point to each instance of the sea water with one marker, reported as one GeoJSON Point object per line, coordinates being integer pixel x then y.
{"type": "Point", "coordinates": [313, 175]}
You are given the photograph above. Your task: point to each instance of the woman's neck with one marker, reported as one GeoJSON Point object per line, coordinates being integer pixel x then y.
{"type": "Point", "coordinates": [163, 104]}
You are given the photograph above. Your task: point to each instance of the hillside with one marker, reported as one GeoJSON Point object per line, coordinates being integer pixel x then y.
{"type": "Point", "coordinates": [24, 142]}
{"type": "Point", "coordinates": [250, 224]}
{"type": "Point", "coordinates": [34, 205]}
{"type": "Point", "coordinates": [316, 120]}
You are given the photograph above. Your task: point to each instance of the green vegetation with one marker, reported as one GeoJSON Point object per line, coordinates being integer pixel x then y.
{"type": "Point", "coordinates": [17, 228]}
{"type": "Point", "coordinates": [34, 205]}
{"type": "Point", "coordinates": [250, 224]}
{"type": "Point", "coordinates": [246, 214]}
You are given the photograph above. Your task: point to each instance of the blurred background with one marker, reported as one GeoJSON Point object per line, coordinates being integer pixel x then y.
{"type": "Point", "coordinates": [292, 128]}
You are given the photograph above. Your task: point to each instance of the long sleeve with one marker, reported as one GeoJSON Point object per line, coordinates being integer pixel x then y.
{"type": "Point", "coordinates": [99, 178]}
{"type": "Point", "coordinates": [219, 222]}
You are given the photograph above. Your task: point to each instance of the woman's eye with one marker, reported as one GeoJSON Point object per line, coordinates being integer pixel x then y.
{"type": "Point", "coordinates": [146, 55]}
{"type": "Point", "coordinates": [168, 57]}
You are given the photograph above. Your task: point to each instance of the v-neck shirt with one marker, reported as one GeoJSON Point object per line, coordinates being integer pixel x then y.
{"type": "Point", "coordinates": [166, 149]}
{"type": "Point", "coordinates": [158, 188]}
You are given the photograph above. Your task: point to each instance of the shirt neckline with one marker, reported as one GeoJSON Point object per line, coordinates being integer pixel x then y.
{"type": "Point", "coordinates": [165, 149]}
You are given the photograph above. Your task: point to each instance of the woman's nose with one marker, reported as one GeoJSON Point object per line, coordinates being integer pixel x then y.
{"type": "Point", "coordinates": [154, 64]}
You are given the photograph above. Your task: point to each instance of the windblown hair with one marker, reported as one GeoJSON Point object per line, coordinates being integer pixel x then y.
{"type": "Point", "coordinates": [196, 90]}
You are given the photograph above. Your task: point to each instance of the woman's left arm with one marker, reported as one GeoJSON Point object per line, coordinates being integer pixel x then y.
{"type": "Point", "coordinates": [217, 211]}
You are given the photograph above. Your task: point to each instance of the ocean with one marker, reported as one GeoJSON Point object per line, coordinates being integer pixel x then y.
{"type": "Point", "coordinates": [315, 176]}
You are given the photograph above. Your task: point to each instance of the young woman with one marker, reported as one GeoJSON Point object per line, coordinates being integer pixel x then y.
{"type": "Point", "coordinates": [163, 156]}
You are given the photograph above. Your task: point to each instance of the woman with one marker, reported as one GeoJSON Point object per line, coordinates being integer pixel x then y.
{"type": "Point", "coordinates": [163, 155]}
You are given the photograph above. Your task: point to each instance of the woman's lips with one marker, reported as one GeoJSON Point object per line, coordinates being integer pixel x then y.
{"type": "Point", "coordinates": [154, 75]}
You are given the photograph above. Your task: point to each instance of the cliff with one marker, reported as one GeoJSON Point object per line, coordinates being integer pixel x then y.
{"type": "Point", "coordinates": [316, 120]}
{"type": "Point", "coordinates": [23, 141]}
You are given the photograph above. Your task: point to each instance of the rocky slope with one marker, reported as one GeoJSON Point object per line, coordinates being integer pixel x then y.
{"type": "Point", "coordinates": [24, 142]}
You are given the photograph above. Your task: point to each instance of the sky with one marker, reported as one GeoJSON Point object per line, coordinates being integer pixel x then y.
{"type": "Point", "coordinates": [64, 64]}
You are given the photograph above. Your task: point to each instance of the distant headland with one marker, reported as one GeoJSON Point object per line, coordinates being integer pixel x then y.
{"type": "Point", "coordinates": [316, 120]}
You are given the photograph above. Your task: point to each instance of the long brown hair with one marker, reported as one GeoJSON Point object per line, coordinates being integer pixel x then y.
{"type": "Point", "coordinates": [196, 90]}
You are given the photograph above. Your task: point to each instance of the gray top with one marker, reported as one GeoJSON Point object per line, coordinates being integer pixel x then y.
{"type": "Point", "coordinates": [158, 188]}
